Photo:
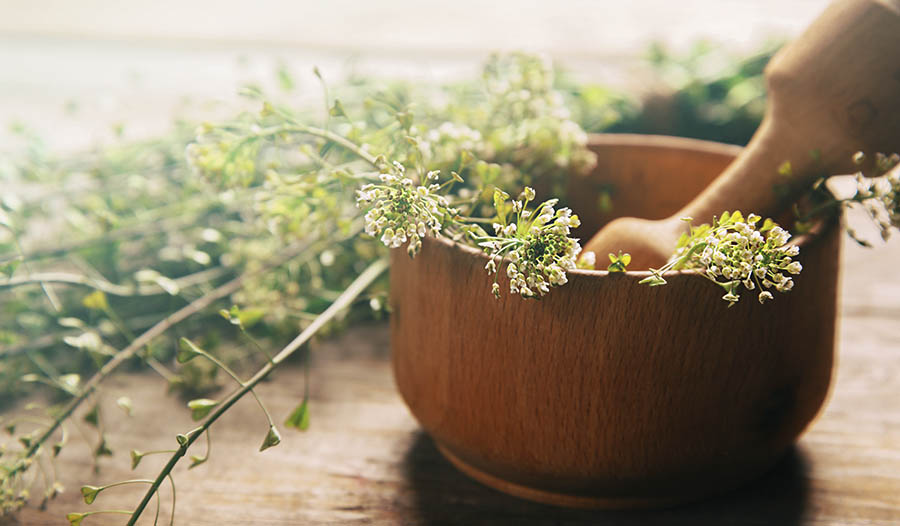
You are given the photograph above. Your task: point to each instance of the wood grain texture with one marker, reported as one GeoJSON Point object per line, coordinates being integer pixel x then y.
{"type": "Point", "coordinates": [607, 392]}
{"type": "Point", "coordinates": [835, 90]}
{"type": "Point", "coordinates": [366, 461]}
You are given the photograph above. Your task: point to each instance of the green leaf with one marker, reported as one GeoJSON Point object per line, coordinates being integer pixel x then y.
{"type": "Point", "coordinates": [92, 417]}
{"type": "Point", "coordinates": [465, 157]}
{"type": "Point", "coordinates": [72, 323]}
{"type": "Point", "coordinates": [96, 301]}
{"type": "Point", "coordinates": [250, 317]}
{"type": "Point", "coordinates": [9, 268]}
{"type": "Point", "coordinates": [500, 198]}
{"type": "Point", "coordinates": [183, 439]}
{"type": "Point", "coordinates": [69, 382]}
{"type": "Point", "coordinates": [5, 220]}
{"type": "Point", "coordinates": [88, 340]}
{"type": "Point", "coordinates": [405, 118]}
{"type": "Point", "coordinates": [201, 407]}
{"type": "Point", "coordinates": [285, 80]}
{"type": "Point", "coordinates": [125, 404]}
{"type": "Point", "coordinates": [768, 224]}
{"type": "Point", "coordinates": [75, 518]}
{"type": "Point", "coordinates": [136, 457]}
{"type": "Point", "coordinates": [605, 202]}
{"type": "Point", "coordinates": [653, 280]}
{"type": "Point", "coordinates": [785, 169]}
{"type": "Point", "coordinates": [196, 460]}
{"type": "Point", "coordinates": [273, 438]}
{"type": "Point", "coordinates": [90, 493]}
{"type": "Point", "coordinates": [103, 449]}
{"type": "Point", "coordinates": [619, 263]}
{"type": "Point", "coordinates": [299, 417]}
{"type": "Point", "coordinates": [187, 351]}
{"type": "Point", "coordinates": [337, 110]}
{"type": "Point", "coordinates": [167, 284]}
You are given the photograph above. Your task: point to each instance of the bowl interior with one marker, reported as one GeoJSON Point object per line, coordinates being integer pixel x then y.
{"type": "Point", "coordinates": [650, 177]}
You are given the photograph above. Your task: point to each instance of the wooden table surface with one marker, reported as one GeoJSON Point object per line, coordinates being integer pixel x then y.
{"type": "Point", "coordinates": [365, 460]}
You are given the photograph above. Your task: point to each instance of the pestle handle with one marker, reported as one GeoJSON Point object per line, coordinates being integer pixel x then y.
{"type": "Point", "coordinates": [835, 90]}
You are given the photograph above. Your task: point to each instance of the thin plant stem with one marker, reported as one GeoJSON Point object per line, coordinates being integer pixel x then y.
{"type": "Point", "coordinates": [112, 288]}
{"type": "Point", "coordinates": [141, 341]}
{"type": "Point", "coordinates": [124, 482]}
{"type": "Point", "coordinates": [48, 291]}
{"type": "Point", "coordinates": [340, 140]}
{"type": "Point", "coordinates": [356, 288]}
{"type": "Point", "coordinates": [221, 365]}
{"type": "Point", "coordinates": [172, 482]}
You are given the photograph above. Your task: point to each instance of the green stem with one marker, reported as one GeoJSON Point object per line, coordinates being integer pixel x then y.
{"type": "Point", "coordinates": [48, 291]}
{"type": "Point", "coordinates": [124, 482]}
{"type": "Point", "coordinates": [157, 451]}
{"type": "Point", "coordinates": [356, 288]}
{"type": "Point", "coordinates": [324, 134]}
{"type": "Point", "coordinates": [221, 365]}
{"type": "Point", "coordinates": [172, 482]}
{"type": "Point", "coordinates": [112, 288]}
{"type": "Point", "coordinates": [141, 341]}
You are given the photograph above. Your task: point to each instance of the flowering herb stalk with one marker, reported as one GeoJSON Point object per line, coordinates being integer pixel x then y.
{"type": "Point", "coordinates": [536, 242]}
{"type": "Point", "coordinates": [735, 254]}
{"type": "Point", "coordinates": [877, 192]}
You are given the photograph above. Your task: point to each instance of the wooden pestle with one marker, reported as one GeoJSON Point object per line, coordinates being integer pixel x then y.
{"type": "Point", "coordinates": [833, 91]}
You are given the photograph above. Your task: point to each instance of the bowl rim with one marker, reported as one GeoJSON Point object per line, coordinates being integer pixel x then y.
{"type": "Point", "coordinates": [662, 142]}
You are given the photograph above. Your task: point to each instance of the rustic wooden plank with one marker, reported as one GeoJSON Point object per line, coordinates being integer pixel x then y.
{"type": "Point", "coordinates": [364, 459]}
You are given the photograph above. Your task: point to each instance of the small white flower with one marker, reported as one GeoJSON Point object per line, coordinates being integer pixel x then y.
{"type": "Point", "coordinates": [764, 296]}
{"type": "Point", "coordinates": [589, 259]}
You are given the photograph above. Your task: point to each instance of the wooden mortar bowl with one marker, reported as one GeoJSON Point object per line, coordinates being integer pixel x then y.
{"type": "Point", "coordinates": [607, 393]}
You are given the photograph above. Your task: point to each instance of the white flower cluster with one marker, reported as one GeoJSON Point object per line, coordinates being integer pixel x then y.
{"type": "Point", "coordinates": [525, 83]}
{"type": "Point", "coordinates": [402, 211]}
{"type": "Point", "coordinates": [881, 196]}
{"type": "Point", "coordinates": [537, 245]}
{"type": "Point", "coordinates": [891, 198]}
{"type": "Point", "coordinates": [734, 253]}
{"type": "Point", "coordinates": [445, 143]}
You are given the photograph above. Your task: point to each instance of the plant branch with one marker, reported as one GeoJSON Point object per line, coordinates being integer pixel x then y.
{"type": "Point", "coordinates": [356, 288]}
{"type": "Point", "coordinates": [112, 288]}
{"type": "Point", "coordinates": [325, 134]}
{"type": "Point", "coordinates": [145, 338]}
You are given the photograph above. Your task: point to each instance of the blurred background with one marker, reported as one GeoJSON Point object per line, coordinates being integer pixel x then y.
{"type": "Point", "coordinates": [76, 73]}
{"type": "Point", "coordinates": [99, 99]}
